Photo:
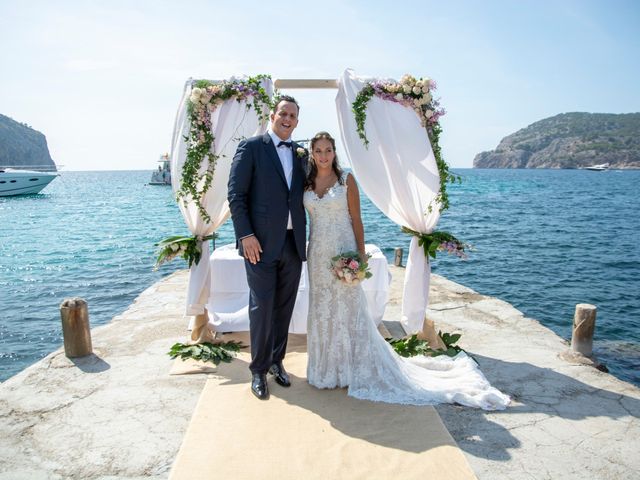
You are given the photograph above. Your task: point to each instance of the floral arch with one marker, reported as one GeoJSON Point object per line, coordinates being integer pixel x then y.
{"type": "Point", "coordinates": [390, 131]}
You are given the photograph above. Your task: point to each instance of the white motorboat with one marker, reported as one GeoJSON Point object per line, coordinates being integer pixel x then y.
{"type": "Point", "coordinates": [598, 168]}
{"type": "Point", "coordinates": [162, 176]}
{"type": "Point", "coordinates": [23, 182]}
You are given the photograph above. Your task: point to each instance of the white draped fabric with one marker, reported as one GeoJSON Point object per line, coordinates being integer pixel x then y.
{"type": "Point", "coordinates": [398, 172]}
{"type": "Point", "coordinates": [230, 122]}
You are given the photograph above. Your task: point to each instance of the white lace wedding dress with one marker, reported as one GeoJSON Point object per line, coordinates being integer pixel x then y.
{"type": "Point", "coordinates": [345, 348]}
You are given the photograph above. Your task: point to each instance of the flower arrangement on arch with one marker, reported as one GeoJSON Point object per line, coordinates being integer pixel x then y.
{"type": "Point", "coordinates": [350, 268]}
{"type": "Point", "coordinates": [205, 97]}
{"type": "Point", "coordinates": [189, 248]}
{"type": "Point", "coordinates": [416, 94]}
{"type": "Point", "coordinates": [440, 241]}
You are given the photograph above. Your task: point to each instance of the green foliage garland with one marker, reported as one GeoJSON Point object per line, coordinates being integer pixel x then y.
{"type": "Point", "coordinates": [415, 94]}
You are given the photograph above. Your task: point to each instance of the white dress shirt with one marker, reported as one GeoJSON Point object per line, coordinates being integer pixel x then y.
{"type": "Point", "coordinates": [286, 159]}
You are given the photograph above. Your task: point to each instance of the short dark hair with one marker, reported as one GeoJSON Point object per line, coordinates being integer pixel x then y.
{"type": "Point", "coordinates": [284, 98]}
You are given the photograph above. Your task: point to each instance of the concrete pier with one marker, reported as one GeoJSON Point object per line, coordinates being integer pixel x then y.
{"type": "Point", "coordinates": [119, 414]}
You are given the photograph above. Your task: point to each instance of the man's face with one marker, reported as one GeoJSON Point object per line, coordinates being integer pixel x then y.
{"type": "Point", "coordinates": [284, 120]}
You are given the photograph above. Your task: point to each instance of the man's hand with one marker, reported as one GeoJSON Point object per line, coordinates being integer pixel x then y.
{"type": "Point", "coordinates": [252, 249]}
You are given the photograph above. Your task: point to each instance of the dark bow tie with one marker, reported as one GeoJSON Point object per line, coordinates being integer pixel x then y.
{"type": "Point", "coordinates": [286, 144]}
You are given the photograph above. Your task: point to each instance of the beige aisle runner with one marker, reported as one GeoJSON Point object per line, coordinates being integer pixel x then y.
{"type": "Point", "coordinates": [306, 433]}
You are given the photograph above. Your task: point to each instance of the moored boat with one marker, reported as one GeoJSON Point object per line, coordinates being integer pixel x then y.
{"type": "Point", "coordinates": [162, 176]}
{"type": "Point", "coordinates": [23, 182]}
{"type": "Point", "coordinates": [598, 168]}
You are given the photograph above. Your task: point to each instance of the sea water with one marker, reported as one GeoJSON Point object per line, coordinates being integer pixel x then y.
{"type": "Point", "coordinates": [544, 240]}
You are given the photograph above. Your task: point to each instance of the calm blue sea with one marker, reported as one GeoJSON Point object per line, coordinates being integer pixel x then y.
{"type": "Point", "coordinates": [545, 240]}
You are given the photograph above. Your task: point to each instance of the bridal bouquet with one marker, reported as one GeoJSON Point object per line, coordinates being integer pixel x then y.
{"type": "Point", "coordinates": [349, 268]}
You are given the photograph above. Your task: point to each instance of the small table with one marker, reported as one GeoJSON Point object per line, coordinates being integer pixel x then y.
{"type": "Point", "coordinates": [229, 291]}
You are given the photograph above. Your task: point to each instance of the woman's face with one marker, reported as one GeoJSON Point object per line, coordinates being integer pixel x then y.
{"type": "Point", "coordinates": [323, 153]}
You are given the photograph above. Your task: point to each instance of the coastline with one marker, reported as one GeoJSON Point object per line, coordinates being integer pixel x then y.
{"type": "Point", "coordinates": [119, 413]}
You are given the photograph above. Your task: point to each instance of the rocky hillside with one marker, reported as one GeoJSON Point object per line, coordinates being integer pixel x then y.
{"type": "Point", "coordinates": [569, 140]}
{"type": "Point", "coordinates": [22, 146]}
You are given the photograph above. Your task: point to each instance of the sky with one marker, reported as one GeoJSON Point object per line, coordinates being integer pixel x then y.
{"type": "Point", "coordinates": [102, 80]}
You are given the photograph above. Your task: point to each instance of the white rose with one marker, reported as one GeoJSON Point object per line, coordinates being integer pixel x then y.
{"type": "Point", "coordinates": [417, 90]}
{"type": "Point", "coordinates": [425, 89]}
{"type": "Point", "coordinates": [408, 79]}
{"type": "Point", "coordinates": [399, 96]}
{"type": "Point", "coordinates": [420, 83]}
{"type": "Point", "coordinates": [428, 113]}
{"type": "Point", "coordinates": [417, 102]}
{"type": "Point", "coordinates": [407, 89]}
{"type": "Point", "coordinates": [196, 92]}
{"type": "Point", "coordinates": [174, 247]}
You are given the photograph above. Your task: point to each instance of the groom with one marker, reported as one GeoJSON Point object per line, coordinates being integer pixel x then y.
{"type": "Point", "coordinates": [266, 185]}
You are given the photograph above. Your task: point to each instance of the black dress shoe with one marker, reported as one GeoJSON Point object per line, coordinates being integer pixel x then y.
{"type": "Point", "coordinates": [282, 377]}
{"type": "Point", "coordinates": [259, 386]}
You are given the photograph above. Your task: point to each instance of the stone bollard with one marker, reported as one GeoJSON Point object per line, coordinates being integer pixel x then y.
{"type": "Point", "coordinates": [75, 327]}
{"type": "Point", "coordinates": [584, 324]}
{"type": "Point", "coordinates": [397, 261]}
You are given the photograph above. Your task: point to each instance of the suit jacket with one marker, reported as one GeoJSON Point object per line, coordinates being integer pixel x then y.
{"type": "Point", "coordinates": [260, 200]}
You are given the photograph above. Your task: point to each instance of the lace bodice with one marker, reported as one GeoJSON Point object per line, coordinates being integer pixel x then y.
{"type": "Point", "coordinates": [329, 216]}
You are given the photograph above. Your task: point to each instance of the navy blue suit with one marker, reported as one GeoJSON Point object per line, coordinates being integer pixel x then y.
{"type": "Point", "coordinates": [260, 202]}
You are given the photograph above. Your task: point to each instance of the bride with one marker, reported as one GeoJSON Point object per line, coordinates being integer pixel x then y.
{"type": "Point", "coordinates": [344, 346]}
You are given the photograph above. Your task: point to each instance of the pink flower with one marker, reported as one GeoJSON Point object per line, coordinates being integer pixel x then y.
{"type": "Point", "coordinates": [353, 265]}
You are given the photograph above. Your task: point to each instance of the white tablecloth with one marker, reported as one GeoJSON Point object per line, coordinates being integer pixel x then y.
{"type": "Point", "coordinates": [229, 298]}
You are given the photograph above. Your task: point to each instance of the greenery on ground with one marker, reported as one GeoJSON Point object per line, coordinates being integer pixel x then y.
{"type": "Point", "coordinates": [207, 352]}
{"type": "Point", "coordinates": [412, 346]}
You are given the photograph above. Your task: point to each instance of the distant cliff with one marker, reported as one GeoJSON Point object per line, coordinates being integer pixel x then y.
{"type": "Point", "coordinates": [569, 140]}
{"type": "Point", "coordinates": [22, 146]}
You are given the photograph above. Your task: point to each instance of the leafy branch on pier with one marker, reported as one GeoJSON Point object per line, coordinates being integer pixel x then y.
{"type": "Point", "coordinates": [207, 352]}
{"type": "Point", "coordinates": [412, 346]}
